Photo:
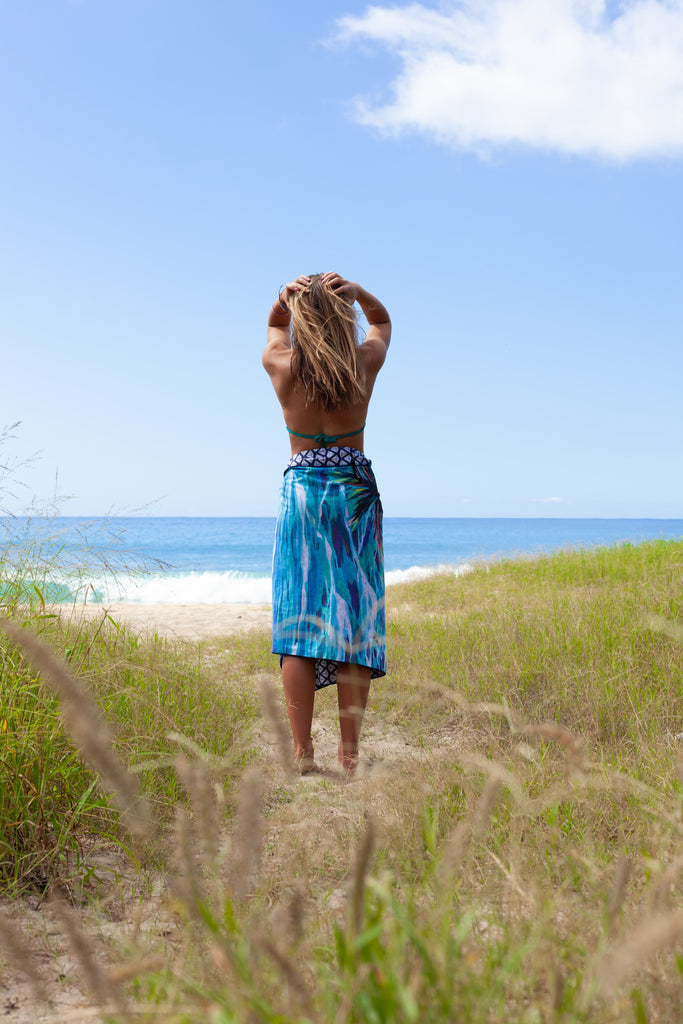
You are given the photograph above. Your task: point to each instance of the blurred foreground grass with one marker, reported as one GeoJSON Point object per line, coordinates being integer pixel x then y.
{"type": "Point", "coordinates": [513, 854]}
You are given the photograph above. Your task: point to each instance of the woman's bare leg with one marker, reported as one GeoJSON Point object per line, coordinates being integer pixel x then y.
{"type": "Point", "coordinates": [298, 680]}
{"type": "Point", "coordinates": [353, 687]}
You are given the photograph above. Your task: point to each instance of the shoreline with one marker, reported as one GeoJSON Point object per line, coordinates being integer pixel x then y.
{"type": "Point", "coordinates": [187, 621]}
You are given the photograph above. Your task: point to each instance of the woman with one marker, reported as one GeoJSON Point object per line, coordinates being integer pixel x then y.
{"type": "Point", "coordinates": [328, 569]}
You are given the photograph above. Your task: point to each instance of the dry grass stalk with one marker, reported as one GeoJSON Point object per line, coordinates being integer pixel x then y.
{"type": "Point", "coordinates": [651, 799]}
{"type": "Point", "coordinates": [19, 952]}
{"type": "Point", "coordinates": [134, 968]}
{"type": "Point", "coordinates": [296, 914]}
{"type": "Point", "coordinates": [658, 624]}
{"type": "Point", "coordinates": [354, 914]}
{"type": "Point", "coordinates": [474, 707]}
{"type": "Point", "coordinates": [558, 987]}
{"type": "Point", "coordinates": [204, 801]}
{"type": "Point", "coordinates": [194, 749]}
{"type": "Point", "coordinates": [186, 881]}
{"type": "Point", "coordinates": [101, 988]}
{"type": "Point", "coordinates": [485, 805]}
{"type": "Point", "coordinates": [553, 731]}
{"type": "Point", "coordinates": [248, 843]}
{"type": "Point", "coordinates": [653, 936]}
{"type": "Point", "coordinates": [618, 892]}
{"type": "Point", "coordinates": [514, 884]}
{"type": "Point", "coordinates": [293, 978]}
{"type": "Point", "coordinates": [457, 844]}
{"type": "Point", "coordinates": [286, 920]}
{"type": "Point", "coordinates": [344, 1008]}
{"type": "Point", "coordinates": [272, 710]}
{"type": "Point", "coordinates": [83, 721]}
{"type": "Point", "coordinates": [665, 882]}
{"type": "Point", "coordinates": [454, 851]}
{"type": "Point", "coordinates": [496, 771]}
{"type": "Point", "coordinates": [220, 959]}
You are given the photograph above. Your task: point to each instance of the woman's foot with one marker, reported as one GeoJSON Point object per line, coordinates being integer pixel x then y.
{"type": "Point", "coordinates": [303, 759]}
{"type": "Point", "coordinates": [347, 759]}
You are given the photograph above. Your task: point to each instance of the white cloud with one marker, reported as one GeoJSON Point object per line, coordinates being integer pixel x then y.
{"type": "Point", "coordinates": [555, 74]}
{"type": "Point", "coordinates": [546, 501]}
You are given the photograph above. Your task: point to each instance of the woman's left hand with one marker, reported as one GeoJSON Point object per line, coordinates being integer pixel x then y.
{"type": "Point", "coordinates": [347, 289]}
{"type": "Point", "coordinates": [299, 285]}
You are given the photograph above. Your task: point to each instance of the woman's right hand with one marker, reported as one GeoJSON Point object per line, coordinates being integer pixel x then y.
{"type": "Point", "coordinates": [347, 289]}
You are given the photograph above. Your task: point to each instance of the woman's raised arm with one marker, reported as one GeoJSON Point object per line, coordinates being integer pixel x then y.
{"type": "Point", "coordinates": [379, 332]}
{"type": "Point", "coordinates": [279, 316]}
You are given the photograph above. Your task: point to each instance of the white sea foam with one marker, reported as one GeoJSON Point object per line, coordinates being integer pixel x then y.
{"type": "Point", "coordinates": [221, 587]}
{"type": "Point", "coordinates": [229, 587]}
{"type": "Point", "coordinates": [423, 572]}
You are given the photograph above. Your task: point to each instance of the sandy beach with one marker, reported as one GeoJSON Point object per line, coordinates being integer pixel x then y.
{"type": "Point", "coordinates": [189, 621]}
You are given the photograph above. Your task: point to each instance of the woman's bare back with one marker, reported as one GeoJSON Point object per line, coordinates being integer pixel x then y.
{"type": "Point", "coordinates": [303, 417]}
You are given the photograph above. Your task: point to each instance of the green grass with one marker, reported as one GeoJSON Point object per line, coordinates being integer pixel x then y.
{"type": "Point", "coordinates": [159, 699]}
{"type": "Point", "coordinates": [564, 638]}
{"type": "Point", "coordinates": [49, 801]}
{"type": "Point", "coordinates": [515, 856]}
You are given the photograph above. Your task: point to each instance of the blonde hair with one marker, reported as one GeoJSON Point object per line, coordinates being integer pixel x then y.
{"type": "Point", "coordinates": [325, 347]}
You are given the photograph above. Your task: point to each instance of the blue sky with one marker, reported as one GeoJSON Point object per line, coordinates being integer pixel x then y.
{"type": "Point", "coordinates": [505, 175]}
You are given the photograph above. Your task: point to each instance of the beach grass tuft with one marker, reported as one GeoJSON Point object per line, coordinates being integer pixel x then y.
{"type": "Point", "coordinates": [512, 854]}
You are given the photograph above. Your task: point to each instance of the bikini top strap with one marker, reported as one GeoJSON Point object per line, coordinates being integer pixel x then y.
{"type": "Point", "coordinates": [325, 438]}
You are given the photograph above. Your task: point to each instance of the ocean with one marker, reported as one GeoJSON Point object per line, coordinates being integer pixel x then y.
{"type": "Point", "coordinates": [187, 560]}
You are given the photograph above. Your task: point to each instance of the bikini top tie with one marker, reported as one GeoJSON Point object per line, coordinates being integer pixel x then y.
{"type": "Point", "coordinates": [326, 438]}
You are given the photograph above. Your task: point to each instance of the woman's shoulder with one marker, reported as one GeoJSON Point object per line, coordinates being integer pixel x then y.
{"type": "Point", "coordinates": [373, 352]}
{"type": "Point", "coordinates": [277, 357]}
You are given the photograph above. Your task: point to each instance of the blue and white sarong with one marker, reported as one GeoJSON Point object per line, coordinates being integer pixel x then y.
{"type": "Point", "coordinates": [328, 563]}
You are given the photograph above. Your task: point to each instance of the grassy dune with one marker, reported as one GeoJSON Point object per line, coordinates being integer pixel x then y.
{"type": "Point", "coordinates": [513, 853]}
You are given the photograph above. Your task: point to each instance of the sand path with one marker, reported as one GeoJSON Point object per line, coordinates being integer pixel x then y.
{"type": "Point", "coordinates": [189, 621]}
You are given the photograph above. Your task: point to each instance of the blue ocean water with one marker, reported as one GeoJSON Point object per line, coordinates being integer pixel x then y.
{"type": "Point", "coordinates": [184, 560]}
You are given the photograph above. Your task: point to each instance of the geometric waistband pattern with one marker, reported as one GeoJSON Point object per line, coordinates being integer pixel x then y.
{"type": "Point", "coordinates": [320, 457]}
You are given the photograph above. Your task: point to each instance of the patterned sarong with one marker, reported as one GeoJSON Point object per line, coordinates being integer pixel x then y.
{"type": "Point", "coordinates": [328, 563]}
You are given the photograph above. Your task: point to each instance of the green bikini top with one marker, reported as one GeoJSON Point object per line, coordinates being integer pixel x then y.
{"type": "Point", "coordinates": [326, 438]}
